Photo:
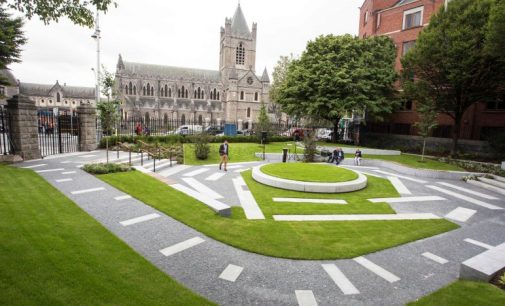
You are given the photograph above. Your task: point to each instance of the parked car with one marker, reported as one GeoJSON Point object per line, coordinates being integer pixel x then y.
{"type": "Point", "coordinates": [188, 129]}
{"type": "Point", "coordinates": [213, 130]}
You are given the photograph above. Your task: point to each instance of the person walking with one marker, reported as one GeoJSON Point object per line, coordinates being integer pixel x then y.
{"type": "Point", "coordinates": [340, 156]}
{"type": "Point", "coordinates": [223, 152]}
{"type": "Point", "coordinates": [357, 157]}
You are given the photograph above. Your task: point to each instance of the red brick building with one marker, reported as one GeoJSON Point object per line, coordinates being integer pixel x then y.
{"type": "Point", "coordinates": [402, 20]}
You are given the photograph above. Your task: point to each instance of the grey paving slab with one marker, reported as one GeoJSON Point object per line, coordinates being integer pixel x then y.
{"type": "Point", "coordinates": [273, 281]}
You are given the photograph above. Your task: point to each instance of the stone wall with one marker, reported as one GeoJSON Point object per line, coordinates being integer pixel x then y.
{"type": "Point", "coordinates": [87, 127]}
{"type": "Point", "coordinates": [24, 129]}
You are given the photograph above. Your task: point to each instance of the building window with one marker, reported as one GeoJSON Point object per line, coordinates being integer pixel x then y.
{"type": "Point", "coordinates": [130, 89]}
{"type": "Point", "coordinates": [148, 89]}
{"type": "Point", "coordinates": [200, 120]}
{"type": "Point", "coordinates": [152, 91]}
{"type": "Point", "coordinates": [217, 95]}
{"type": "Point", "coordinates": [199, 93]}
{"type": "Point", "coordinates": [126, 89]}
{"type": "Point", "coordinates": [194, 94]}
{"type": "Point", "coordinates": [378, 21]}
{"type": "Point", "coordinates": [407, 45]}
{"type": "Point", "coordinates": [240, 54]}
{"type": "Point", "coordinates": [413, 18]}
{"type": "Point", "coordinates": [442, 131]}
{"type": "Point", "coordinates": [170, 92]}
{"type": "Point", "coordinates": [178, 93]}
{"type": "Point", "coordinates": [2, 91]}
{"type": "Point", "coordinates": [50, 101]}
{"type": "Point", "coordinates": [406, 106]}
{"type": "Point", "coordinates": [365, 18]}
{"type": "Point", "coordinates": [241, 95]}
{"type": "Point", "coordinates": [256, 96]}
{"type": "Point", "coordinates": [186, 93]}
{"type": "Point", "coordinates": [248, 112]}
{"type": "Point", "coordinates": [147, 117]}
{"type": "Point", "coordinates": [165, 119]}
{"type": "Point", "coordinates": [496, 105]}
{"type": "Point", "coordinates": [144, 91]}
{"type": "Point", "coordinates": [166, 90]}
{"type": "Point", "coordinates": [162, 92]}
{"type": "Point", "coordinates": [183, 119]}
{"type": "Point", "coordinates": [58, 97]}
{"type": "Point", "coordinates": [73, 102]}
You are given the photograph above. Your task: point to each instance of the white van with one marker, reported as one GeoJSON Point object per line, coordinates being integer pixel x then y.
{"type": "Point", "coordinates": [188, 129]}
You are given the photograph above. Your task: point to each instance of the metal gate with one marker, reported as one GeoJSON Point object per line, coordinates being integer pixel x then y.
{"type": "Point", "coordinates": [6, 147]}
{"type": "Point", "coordinates": [58, 133]}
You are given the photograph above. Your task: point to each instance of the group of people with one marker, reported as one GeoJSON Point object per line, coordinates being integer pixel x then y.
{"type": "Point", "coordinates": [142, 131]}
{"type": "Point", "coordinates": [338, 156]}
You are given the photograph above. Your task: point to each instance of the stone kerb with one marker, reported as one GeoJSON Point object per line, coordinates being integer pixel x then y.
{"type": "Point", "coordinates": [87, 127]}
{"type": "Point", "coordinates": [484, 266]}
{"type": "Point", "coordinates": [24, 127]}
{"type": "Point", "coordinates": [316, 187]}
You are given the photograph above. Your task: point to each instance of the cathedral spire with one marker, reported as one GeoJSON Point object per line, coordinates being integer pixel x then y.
{"type": "Point", "coordinates": [239, 24]}
{"type": "Point", "coordinates": [265, 78]}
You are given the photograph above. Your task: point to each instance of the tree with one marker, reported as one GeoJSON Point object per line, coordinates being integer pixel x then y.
{"type": "Point", "coordinates": [108, 111]}
{"type": "Point", "coordinates": [79, 12]}
{"type": "Point", "coordinates": [339, 74]}
{"type": "Point", "coordinates": [263, 124]}
{"type": "Point", "coordinates": [495, 38]}
{"type": "Point", "coordinates": [279, 77]}
{"type": "Point", "coordinates": [11, 40]}
{"type": "Point", "coordinates": [451, 63]}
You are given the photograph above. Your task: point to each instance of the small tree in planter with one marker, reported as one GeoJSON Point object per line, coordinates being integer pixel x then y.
{"type": "Point", "coordinates": [263, 124]}
{"type": "Point", "coordinates": [428, 116]}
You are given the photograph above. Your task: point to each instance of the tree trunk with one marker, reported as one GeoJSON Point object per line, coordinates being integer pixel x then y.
{"type": "Point", "coordinates": [424, 146]}
{"type": "Point", "coordinates": [455, 135]}
{"type": "Point", "coordinates": [334, 137]}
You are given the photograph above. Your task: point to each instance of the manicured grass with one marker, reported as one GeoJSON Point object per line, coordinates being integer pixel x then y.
{"type": "Point", "coordinates": [376, 188]}
{"type": "Point", "coordinates": [239, 152]}
{"type": "Point", "coordinates": [53, 253]}
{"type": "Point", "coordinates": [464, 293]}
{"type": "Point", "coordinates": [297, 240]}
{"type": "Point", "coordinates": [308, 172]}
{"type": "Point", "coordinates": [414, 161]}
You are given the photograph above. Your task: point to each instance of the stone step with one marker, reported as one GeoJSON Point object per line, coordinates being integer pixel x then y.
{"type": "Point", "coordinates": [486, 186]}
{"type": "Point", "coordinates": [492, 182]}
{"type": "Point", "coordinates": [484, 266]}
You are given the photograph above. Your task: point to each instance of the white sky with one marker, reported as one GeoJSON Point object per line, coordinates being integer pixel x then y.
{"type": "Point", "coordinates": [176, 33]}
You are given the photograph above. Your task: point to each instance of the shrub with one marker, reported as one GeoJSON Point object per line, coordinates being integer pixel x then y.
{"type": "Point", "coordinates": [104, 168]}
{"type": "Point", "coordinates": [201, 145]}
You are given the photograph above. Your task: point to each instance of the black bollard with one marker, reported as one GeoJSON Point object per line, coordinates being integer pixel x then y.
{"type": "Point", "coordinates": [284, 155]}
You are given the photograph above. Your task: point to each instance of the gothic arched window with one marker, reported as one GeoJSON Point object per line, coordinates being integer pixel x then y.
{"type": "Point", "coordinates": [58, 97]}
{"type": "Point", "coordinates": [129, 88]}
{"type": "Point", "coordinates": [183, 119]}
{"type": "Point", "coordinates": [241, 95]}
{"type": "Point", "coordinates": [240, 54]}
{"type": "Point", "coordinates": [248, 112]}
{"type": "Point", "coordinates": [218, 95]}
{"type": "Point", "coordinates": [170, 92]}
{"type": "Point", "coordinates": [187, 93]}
{"type": "Point", "coordinates": [178, 93]}
{"type": "Point", "coordinates": [147, 118]}
{"type": "Point", "coordinates": [152, 90]}
{"type": "Point", "coordinates": [256, 96]}
{"type": "Point", "coordinates": [126, 89]}
{"type": "Point", "coordinates": [194, 94]}
{"type": "Point", "coordinates": [134, 89]}
{"type": "Point", "coordinates": [144, 91]}
{"type": "Point", "coordinates": [200, 120]}
{"type": "Point", "coordinates": [166, 90]}
{"type": "Point", "coordinates": [162, 92]}
{"type": "Point", "coordinates": [199, 93]}
{"type": "Point", "coordinates": [148, 89]}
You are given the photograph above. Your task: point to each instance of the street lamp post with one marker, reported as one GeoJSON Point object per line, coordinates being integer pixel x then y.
{"type": "Point", "coordinates": [96, 36]}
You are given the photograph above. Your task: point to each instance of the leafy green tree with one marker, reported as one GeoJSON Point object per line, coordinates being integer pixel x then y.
{"type": "Point", "coordinates": [108, 111]}
{"type": "Point", "coordinates": [452, 64]}
{"type": "Point", "coordinates": [79, 12]}
{"type": "Point", "coordinates": [279, 78]}
{"type": "Point", "coordinates": [11, 41]}
{"type": "Point", "coordinates": [339, 74]}
{"type": "Point", "coordinates": [263, 124]}
{"type": "Point", "coordinates": [495, 37]}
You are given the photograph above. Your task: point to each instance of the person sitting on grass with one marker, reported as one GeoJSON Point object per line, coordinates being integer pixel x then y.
{"type": "Point", "coordinates": [223, 152]}
{"type": "Point", "coordinates": [357, 157]}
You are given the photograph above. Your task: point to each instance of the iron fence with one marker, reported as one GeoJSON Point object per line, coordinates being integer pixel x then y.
{"type": "Point", "coordinates": [57, 133]}
{"type": "Point", "coordinates": [6, 146]}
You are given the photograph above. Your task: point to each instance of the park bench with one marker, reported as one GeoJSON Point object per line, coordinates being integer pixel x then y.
{"type": "Point", "coordinates": [485, 265]}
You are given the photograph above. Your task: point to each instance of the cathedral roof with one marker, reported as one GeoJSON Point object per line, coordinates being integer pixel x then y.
{"type": "Point", "coordinates": [238, 23]}
{"type": "Point", "coordinates": [45, 90]}
{"type": "Point", "coordinates": [171, 72]}
{"type": "Point", "coordinates": [7, 75]}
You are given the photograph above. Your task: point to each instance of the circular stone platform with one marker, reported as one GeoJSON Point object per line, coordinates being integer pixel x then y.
{"type": "Point", "coordinates": [317, 187]}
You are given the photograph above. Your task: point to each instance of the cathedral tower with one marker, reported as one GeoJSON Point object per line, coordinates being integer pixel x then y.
{"type": "Point", "coordinates": [238, 45]}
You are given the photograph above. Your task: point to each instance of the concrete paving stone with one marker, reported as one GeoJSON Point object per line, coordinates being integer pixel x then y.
{"type": "Point", "coordinates": [196, 172]}
{"type": "Point", "coordinates": [407, 199]}
{"type": "Point", "coordinates": [34, 166]}
{"type": "Point", "coordinates": [315, 201]}
{"type": "Point", "coordinates": [385, 274]}
{"type": "Point", "coordinates": [465, 189]}
{"type": "Point", "coordinates": [399, 186]}
{"type": "Point", "coordinates": [139, 219]}
{"type": "Point", "coordinates": [465, 198]}
{"type": "Point", "coordinates": [340, 279]}
{"type": "Point", "coordinates": [461, 214]}
{"type": "Point", "coordinates": [435, 258]}
{"type": "Point", "coordinates": [360, 217]}
{"type": "Point", "coordinates": [231, 273]}
{"type": "Point", "coordinates": [202, 188]}
{"type": "Point", "coordinates": [305, 298]}
{"type": "Point", "coordinates": [402, 176]}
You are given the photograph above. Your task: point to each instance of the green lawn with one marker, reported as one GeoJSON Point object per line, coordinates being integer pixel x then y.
{"type": "Point", "coordinates": [414, 161]}
{"type": "Point", "coordinates": [239, 152]}
{"type": "Point", "coordinates": [464, 293]}
{"type": "Point", "coordinates": [53, 253]}
{"type": "Point", "coordinates": [297, 240]}
{"type": "Point", "coordinates": [376, 188]}
{"type": "Point", "coordinates": [309, 172]}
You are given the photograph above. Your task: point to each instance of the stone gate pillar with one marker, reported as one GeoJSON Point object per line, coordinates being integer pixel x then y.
{"type": "Point", "coordinates": [24, 127]}
{"type": "Point", "coordinates": [87, 127]}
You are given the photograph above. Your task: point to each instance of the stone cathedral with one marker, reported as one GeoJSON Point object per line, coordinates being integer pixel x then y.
{"type": "Point", "coordinates": [233, 93]}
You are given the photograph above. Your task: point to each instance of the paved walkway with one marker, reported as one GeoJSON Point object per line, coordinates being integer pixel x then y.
{"type": "Point", "coordinates": [230, 276]}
